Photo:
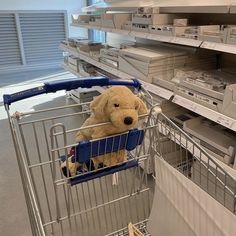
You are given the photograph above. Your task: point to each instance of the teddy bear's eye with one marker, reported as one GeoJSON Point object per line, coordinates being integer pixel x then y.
{"type": "Point", "coordinates": [116, 105]}
{"type": "Point", "coordinates": [136, 107]}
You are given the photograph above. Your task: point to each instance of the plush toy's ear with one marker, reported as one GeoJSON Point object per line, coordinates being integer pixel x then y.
{"type": "Point", "coordinates": [98, 105]}
{"type": "Point", "coordinates": [142, 109]}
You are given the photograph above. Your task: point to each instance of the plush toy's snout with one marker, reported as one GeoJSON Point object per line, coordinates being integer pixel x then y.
{"type": "Point", "coordinates": [128, 120]}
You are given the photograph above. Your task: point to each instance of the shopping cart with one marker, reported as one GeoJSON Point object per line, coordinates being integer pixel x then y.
{"type": "Point", "coordinates": [92, 203]}
{"type": "Point", "coordinates": [95, 201]}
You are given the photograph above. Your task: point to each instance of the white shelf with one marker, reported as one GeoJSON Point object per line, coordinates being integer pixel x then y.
{"type": "Point", "coordinates": [117, 6]}
{"type": "Point", "coordinates": [168, 39]}
{"type": "Point", "coordinates": [233, 9]}
{"type": "Point", "coordinates": [159, 91]}
{"type": "Point", "coordinates": [134, 5]}
{"type": "Point", "coordinates": [195, 9]}
{"type": "Point", "coordinates": [144, 35]}
{"type": "Point", "coordinates": [215, 116]}
{"type": "Point", "coordinates": [219, 47]}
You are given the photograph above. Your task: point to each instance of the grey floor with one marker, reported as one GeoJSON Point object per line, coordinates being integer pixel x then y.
{"type": "Point", "coordinates": [13, 213]}
{"type": "Point", "coordinates": [13, 78]}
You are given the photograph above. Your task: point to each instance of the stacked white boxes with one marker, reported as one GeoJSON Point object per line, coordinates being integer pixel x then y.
{"type": "Point", "coordinates": [145, 63]}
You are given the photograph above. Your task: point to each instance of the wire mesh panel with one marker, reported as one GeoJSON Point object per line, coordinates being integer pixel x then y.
{"type": "Point", "coordinates": [180, 151]}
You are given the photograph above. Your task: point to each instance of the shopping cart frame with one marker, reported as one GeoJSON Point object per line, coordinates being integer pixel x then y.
{"type": "Point", "coordinates": [36, 223]}
{"type": "Point", "coordinates": [160, 129]}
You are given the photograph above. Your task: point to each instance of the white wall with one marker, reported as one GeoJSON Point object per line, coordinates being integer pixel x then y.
{"type": "Point", "coordinates": [71, 6]}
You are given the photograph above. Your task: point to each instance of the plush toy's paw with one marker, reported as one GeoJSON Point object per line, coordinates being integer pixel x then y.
{"type": "Point", "coordinates": [69, 169]}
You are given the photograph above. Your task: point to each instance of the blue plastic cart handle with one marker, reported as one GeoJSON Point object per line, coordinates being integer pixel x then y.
{"type": "Point", "coordinates": [69, 84]}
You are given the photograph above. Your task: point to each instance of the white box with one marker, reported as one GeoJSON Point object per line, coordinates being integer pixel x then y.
{"type": "Point", "coordinates": [127, 25]}
{"type": "Point", "coordinates": [115, 20]}
{"type": "Point", "coordinates": [205, 28]}
{"type": "Point", "coordinates": [229, 102]}
{"type": "Point", "coordinates": [152, 19]}
{"type": "Point", "coordinates": [211, 33]}
{"type": "Point", "coordinates": [81, 19]}
{"type": "Point", "coordinates": [180, 22]}
{"type": "Point", "coordinates": [107, 20]}
{"type": "Point", "coordinates": [95, 20]}
{"type": "Point", "coordinates": [148, 10]}
{"type": "Point", "coordinates": [73, 60]}
{"type": "Point", "coordinates": [120, 19]}
{"type": "Point", "coordinates": [186, 32]}
{"type": "Point", "coordinates": [230, 34]}
{"type": "Point", "coordinates": [200, 98]}
{"type": "Point", "coordinates": [213, 137]}
{"type": "Point", "coordinates": [140, 27]}
{"type": "Point", "coordinates": [165, 30]}
{"type": "Point", "coordinates": [128, 68]}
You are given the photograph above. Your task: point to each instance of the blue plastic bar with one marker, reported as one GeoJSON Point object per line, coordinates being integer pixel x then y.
{"type": "Point", "coordinates": [103, 172]}
{"type": "Point", "coordinates": [69, 84]}
{"type": "Point", "coordinates": [89, 149]}
{"type": "Point", "coordinates": [10, 98]}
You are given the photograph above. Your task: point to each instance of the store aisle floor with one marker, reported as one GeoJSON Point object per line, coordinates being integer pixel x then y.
{"type": "Point", "coordinates": [13, 212]}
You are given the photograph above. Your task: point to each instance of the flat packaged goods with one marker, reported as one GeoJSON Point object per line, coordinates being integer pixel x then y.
{"type": "Point", "coordinates": [229, 101]}
{"type": "Point", "coordinates": [165, 30]}
{"type": "Point", "coordinates": [145, 63]}
{"type": "Point", "coordinates": [213, 89]}
{"type": "Point", "coordinates": [212, 83]}
{"type": "Point", "coordinates": [72, 42]}
{"type": "Point", "coordinates": [73, 63]}
{"type": "Point", "coordinates": [114, 20]}
{"type": "Point", "coordinates": [230, 34]}
{"type": "Point", "coordinates": [110, 53]}
{"type": "Point", "coordinates": [80, 19]}
{"type": "Point", "coordinates": [152, 19]}
{"type": "Point", "coordinates": [95, 20]}
{"type": "Point", "coordinates": [87, 46]}
{"type": "Point", "coordinates": [190, 32]}
{"type": "Point", "coordinates": [140, 27]}
{"type": "Point", "coordinates": [212, 33]}
{"type": "Point", "coordinates": [180, 22]}
{"type": "Point", "coordinates": [188, 62]}
{"type": "Point", "coordinates": [213, 137]}
{"type": "Point", "coordinates": [148, 10]}
{"type": "Point", "coordinates": [127, 25]}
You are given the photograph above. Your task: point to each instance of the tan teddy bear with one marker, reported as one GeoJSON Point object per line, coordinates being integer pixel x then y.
{"type": "Point", "coordinates": [120, 108]}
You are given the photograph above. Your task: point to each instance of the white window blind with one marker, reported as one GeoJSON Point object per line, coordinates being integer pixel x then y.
{"type": "Point", "coordinates": [9, 45]}
{"type": "Point", "coordinates": [41, 35]}
{"type": "Point", "coordinates": [31, 38]}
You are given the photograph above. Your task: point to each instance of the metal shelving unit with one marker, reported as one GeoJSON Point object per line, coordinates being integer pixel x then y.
{"type": "Point", "coordinates": [228, 48]}
{"type": "Point", "coordinates": [163, 8]}
{"type": "Point", "coordinates": [215, 116]}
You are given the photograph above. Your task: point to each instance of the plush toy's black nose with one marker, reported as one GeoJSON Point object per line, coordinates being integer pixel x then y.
{"type": "Point", "coordinates": [128, 120]}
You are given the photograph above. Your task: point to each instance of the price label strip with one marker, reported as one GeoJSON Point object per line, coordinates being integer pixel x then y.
{"type": "Point", "coordinates": [225, 121]}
